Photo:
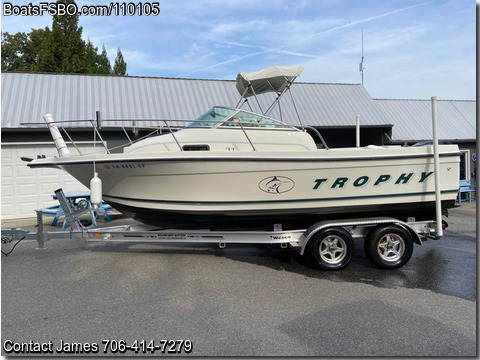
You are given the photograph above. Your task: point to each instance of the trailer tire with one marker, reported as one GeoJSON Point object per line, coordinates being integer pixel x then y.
{"type": "Point", "coordinates": [331, 249]}
{"type": "Point", "coordinates": [389, 246]}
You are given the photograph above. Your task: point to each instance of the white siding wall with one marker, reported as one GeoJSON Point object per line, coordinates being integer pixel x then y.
{"type": "Point", "coordinates": [25, 189]}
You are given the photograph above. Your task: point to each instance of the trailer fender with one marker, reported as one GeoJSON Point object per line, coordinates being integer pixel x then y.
{"type": "Point", "coordinates": [366, 222]}
{"type": "Point", "coordinates": [415, 237]}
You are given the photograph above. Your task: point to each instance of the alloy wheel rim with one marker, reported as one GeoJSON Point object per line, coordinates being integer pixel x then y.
{"type": "Point", "coordinates": [391, 247]}
{"type": "Point", "coordinates": [333, 249]}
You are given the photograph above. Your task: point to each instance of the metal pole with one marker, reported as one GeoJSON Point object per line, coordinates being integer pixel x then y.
{"type": "Point", "coordinates": [71, 140]}
{"type": "Point", "coordinates": [363, 58]}
{"type": "Point", "coordinates": [243, 129]}
{"type": "Point", "coordinates": [436, 167]}
{"type": "Point", "coordinates": [239, 101]}
{"type": "Point", "coordinates": [94, 124]}
{"type": "Point", "coordinates": [256, 99]}
{"type": "Point", "coordinates": [173, 135]}
{"type": "Point", "coordinates": [358, 131]}
{"type": "Point", "coordinates": [97, 117]}
{"type": "Point", "coordinates": [296, 110]}
{"type": "Point", "coordinates": [40, 238]}
{"type": "Point", "coordinates": [128, 137]}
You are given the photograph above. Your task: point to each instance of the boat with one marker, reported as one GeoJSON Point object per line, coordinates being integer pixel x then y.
{"type": "Point", "coordinates": [232, 168]}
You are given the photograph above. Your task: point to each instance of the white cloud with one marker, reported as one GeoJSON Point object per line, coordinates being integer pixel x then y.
{"type": "Point", "coordinates": [412, 48]}
{"type": "Point", "coordinates": [361, 21]}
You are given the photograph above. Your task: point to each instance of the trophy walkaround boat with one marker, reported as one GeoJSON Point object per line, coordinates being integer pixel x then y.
{"type": "Point", "coordinates": [232, 168]}
{"type": "Point", "coordinates": [236, 169]}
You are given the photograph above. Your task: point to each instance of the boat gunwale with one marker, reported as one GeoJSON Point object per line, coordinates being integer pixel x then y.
{"type": "Point", "coordinates": [68, 161]}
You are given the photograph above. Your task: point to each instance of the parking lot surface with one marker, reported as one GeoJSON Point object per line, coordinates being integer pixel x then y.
{"type": "Point", "coordinates": [241, 300]}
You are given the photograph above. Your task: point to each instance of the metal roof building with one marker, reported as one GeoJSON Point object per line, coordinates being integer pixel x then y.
{"type": "Point", "coordinates": [26, 97]}
{"type": "Point", "coordinates": [412, 119]}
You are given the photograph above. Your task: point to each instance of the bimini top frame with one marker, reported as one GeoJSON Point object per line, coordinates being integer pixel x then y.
{"type": "Point", "coordinates": [272, 78]}
{"type": "Point", "coordinates": [277, 79]}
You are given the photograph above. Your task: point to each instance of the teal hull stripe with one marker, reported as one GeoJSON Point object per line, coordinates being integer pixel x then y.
{"type": "Point", "coordinates": [66, 162]}
{"type": "Point", "coordinates": [278, 201]}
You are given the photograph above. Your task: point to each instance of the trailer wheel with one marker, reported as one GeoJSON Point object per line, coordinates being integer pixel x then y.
{"type": "Point", "coordinates": [389, 246]}
{"type": "Point", "coordinates": [332, 249]}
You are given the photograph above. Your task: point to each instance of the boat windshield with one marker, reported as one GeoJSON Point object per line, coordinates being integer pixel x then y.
{"type": "Point", "coordinates": [248, 119]}
{"type": "Point", "coordinates": [222, 116]}
{"type": "Point", "coordinates": [212, 117]}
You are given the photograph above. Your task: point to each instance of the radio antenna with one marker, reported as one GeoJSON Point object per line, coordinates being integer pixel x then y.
{"type": "Point", "coordinates": [361, 67]}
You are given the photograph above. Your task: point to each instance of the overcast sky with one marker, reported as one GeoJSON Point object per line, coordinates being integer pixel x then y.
{"type": "Point", "coordinates": [412, 48]}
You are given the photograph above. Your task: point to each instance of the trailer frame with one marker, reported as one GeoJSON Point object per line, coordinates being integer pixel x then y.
{"type": "Point", "coordinates": [299, 239]}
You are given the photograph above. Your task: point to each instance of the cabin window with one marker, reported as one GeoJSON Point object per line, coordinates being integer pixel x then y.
{"type": "Point", "coordinates": [199, 147]}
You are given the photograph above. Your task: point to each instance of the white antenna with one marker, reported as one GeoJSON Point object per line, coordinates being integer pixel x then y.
{"type": "Point", "coordinates": [361, 67]}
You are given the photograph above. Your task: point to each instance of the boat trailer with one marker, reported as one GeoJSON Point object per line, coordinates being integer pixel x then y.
{"type": "Point", "coordinates": [329, 244]}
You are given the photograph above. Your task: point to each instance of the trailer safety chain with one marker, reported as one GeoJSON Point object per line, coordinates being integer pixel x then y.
{"type": "Point", "coordinates": [8, 240]}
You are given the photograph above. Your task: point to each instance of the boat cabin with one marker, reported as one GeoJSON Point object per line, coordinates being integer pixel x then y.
{"type": "Point", "coordinates": [227, 129]}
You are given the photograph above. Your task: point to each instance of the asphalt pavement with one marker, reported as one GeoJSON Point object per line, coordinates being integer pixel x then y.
{"type": "Point", "coordinates": [124, 299]}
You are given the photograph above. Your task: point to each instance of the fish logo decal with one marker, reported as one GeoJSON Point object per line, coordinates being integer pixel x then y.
{"type": "Point", "coordinates": [276, 184]}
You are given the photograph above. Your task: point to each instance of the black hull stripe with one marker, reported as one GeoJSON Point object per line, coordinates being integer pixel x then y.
{"type": "Point", "coordinates": [107, 197]}
{"type": "Point", "coordinates": [246, 159]}
{"type": "Point", "coordinates": [189, 218]}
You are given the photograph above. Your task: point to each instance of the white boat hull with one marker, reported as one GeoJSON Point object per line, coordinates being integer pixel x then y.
{"type": "Point", "coordinates": [243, 189]}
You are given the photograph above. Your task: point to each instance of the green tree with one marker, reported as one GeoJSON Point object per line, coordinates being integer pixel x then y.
{"type": "Point", "coordinates": [60, 49]}
{"type": "Point", "coordinates": [47, 61]}
{"type": "Point", "coordinates": [20, 51]}
{"type": "Point", "coordinates": [36, 37]}
{"type": "Point", "coordinates": [120, 66]}
{"type": "Point", "coordinates": [63, 49]}
{"type": "Point", "coordinates": [13, 49]}
{"type": "Point", "coordinates": [91, 58]}
{"type": "Point", "coordinates": [104, 66]}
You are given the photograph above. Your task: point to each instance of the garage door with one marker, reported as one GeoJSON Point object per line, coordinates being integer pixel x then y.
{"type": "Point", "coordinates": [25, 189]}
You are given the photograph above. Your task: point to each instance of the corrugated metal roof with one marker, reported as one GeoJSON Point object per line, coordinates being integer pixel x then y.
{"type": "Point", "coordinates": [413, 119]}
{"type": "Point", "coordinates": [26, 97]}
